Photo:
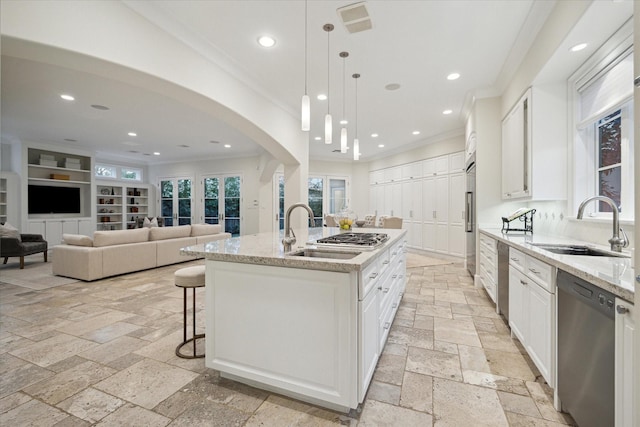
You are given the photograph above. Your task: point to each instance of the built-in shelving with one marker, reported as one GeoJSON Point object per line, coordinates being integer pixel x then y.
{"type": "Point", "coordinates": [137, 204]}
{"type": "Point", "coordinates": [119, 206]}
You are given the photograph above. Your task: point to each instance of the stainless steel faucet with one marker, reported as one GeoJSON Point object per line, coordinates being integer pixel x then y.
{"type": "Point", "coordinates": [617, 242]}
{"type": "Point", "coordinates": [289, 236]}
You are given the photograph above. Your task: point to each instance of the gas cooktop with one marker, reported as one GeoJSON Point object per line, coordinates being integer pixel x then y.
{"type": "Point", "coordinates": [355, 240]}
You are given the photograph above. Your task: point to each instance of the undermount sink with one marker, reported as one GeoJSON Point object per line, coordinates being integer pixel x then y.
{"type": "Point", "coordinates": [319, 253]}
{"type": "Point", "coordinates": [564, 249]}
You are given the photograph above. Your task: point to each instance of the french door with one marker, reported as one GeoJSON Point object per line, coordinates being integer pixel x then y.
{"type": "Point", "coordinates": [221, 202]}
{"type": "Point", "coordinates": [176, 201]}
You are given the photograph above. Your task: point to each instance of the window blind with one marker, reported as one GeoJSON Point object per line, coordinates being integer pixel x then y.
{"type": "Point", "coordinates": [606, 91]}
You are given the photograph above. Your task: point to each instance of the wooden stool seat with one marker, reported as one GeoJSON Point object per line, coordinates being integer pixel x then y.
{"type": "Point", "coordinates": [189, 277]}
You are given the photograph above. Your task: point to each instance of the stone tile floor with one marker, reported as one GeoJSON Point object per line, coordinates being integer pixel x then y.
{"type": "Point", "coordinates": [102, 353]}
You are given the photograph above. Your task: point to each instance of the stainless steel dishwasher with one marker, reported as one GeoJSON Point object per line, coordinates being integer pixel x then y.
{"type": "Point", "coordinates": [503, 280]}
{"type": "Point", "coordinates": [586, 327]}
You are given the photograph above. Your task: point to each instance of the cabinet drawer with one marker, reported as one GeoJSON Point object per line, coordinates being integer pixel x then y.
{"type": "Point", "coordinates": [516, 259]}
{"type": "Point", "coordinates": [488, 244]}
{"type": "Point", "coordinates": [369, 278]}
{"type": "Point", "coordinates": [489, 267]}
{"type": "Point", "coordinates": [488, 285]}
{"type": "Point", "coordinates": [541, 272]}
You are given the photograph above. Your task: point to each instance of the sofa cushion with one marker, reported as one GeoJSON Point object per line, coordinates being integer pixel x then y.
{"type": "Point", "coordinates": [205, 229]}
{"type": "Point", "coordinates": [77, 240]}
{"type": "Point", "coordinates": [118, 237]}
{"type": "Point", "coordinates": [163, 233]}
{"type": "Point", "coordinates": [8, 230]}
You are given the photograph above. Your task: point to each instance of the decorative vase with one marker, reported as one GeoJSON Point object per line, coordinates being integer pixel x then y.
{"type": "Point", "coordinates": [345, 219]}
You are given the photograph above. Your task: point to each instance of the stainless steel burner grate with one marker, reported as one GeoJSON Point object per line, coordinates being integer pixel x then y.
{"type": "Point", "coordinates": [370, 240]}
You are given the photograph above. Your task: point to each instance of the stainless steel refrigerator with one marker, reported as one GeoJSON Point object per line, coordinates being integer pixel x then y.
{"type": "Point", "coordinates": [470, 215]}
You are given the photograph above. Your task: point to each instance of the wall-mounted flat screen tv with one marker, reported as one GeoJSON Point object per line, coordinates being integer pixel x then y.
{"type": "Point", "coordinates": [48, 199]}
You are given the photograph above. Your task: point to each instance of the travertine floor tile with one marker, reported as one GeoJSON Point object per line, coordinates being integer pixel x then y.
{"type": "Point", "coordinates": [456, 331]}
{"type": "Point", "coordinates": [21, 377]}
{"type": "Point", "coordinates": [91, 405]}
{"type": "Point", "coordinates": [277, 410]}
{"type": "Point", "coordinates": [131, 415]}
{"type": "Point", "coordinates": [32, 413]}
{"type": "Point", "coordinates": [496, 382]}
{"type": "Point", "coordinates": [383, 392]}
{"type": "Point", "coordinates": [417, 392]}
{"type": "Point", "coordinates": [457, 404]}
{"type": "Point", "coordinates": [13, 401]}
{"type": "Point", "coordinates": [53, 350]}
{"type": "Point", "coordinates": [523, 405]}
{"type": "Point", "coordinates": [390, 369]}
{"type": "Point", "coordinates": [146, 383]}
{"type": "Point", "coordinates": [510, 365]}
{"type": "Point", "coordinates": [422, 338]}
{"type": "Point", "coordinates": [434, 363]}
{"type": "Point", "coordinates": [65, 384]}
{"type": "Point", "coordinates": [377, 414]}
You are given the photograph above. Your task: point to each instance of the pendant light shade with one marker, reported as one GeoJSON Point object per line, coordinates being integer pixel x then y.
{"type": "Point", "coordinates": [344, 144]}
{"type": "Point", "coordinates": [306, 113]}
{"type": "Point", "coordinates": [356, 142]}
{"type": "Point", "coordinates": [328, 128]}
{"type": "Point", "coordinates": [305, 110]}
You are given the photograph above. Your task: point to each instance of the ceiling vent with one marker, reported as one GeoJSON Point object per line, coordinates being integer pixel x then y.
{"type": "Point", "coordinates": [355, 17]}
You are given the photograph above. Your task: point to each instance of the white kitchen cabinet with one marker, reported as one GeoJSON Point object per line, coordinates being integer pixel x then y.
{"type": "Point", "coordinates": [624, 370]}
{"type": "Point", "coordinates": [369, 340]}
{"type": "Point", "coordinates": [534, 148]}
{"type": "Point", "coordinates": [532, 311]}
{"type": "Point", "coordinates": [9, 190]}
{"type": "Point", "coordinates": [53, 229]}
{"type": "Point", "coordinates": [489, 265]}
{"type": "Point", "coordinates": [429, 196]}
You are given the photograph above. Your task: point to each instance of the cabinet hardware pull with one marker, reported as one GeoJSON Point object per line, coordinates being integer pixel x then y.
{"type": "Point", "coordinates": [386, 290]}
{"type": "Point", "coordinates": [379, 288]}
{"type": "Point", "coordinates": [386, 325]}
{"type": "Point", "coordinates": [385, 262]}
{"type": "Point", "coordinates": [395, 304]}
{"type": "Point", "coordinates": [373, 275]}
{"type": "Point", "coordinates": [534, 271]}
{"type": "Point", "coordinates": [394, 276]}
{"type": "Point", "coordinates": [622, 309]}
{"type": "Point", "coordinates": [515, 259]}
{"type": "Point", "coordinates": [523, 282]}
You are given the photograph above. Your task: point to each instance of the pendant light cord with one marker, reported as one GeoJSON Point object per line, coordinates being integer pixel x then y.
{"type": "Point", "coordinates": [305, 46]}
{"type": "Point", "coordinates": [328, 70]}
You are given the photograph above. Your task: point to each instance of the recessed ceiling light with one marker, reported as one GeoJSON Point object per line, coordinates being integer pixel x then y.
{"type": "Point", "coordinates": [183, 146]}
{"type": "Point", "coordinates": [227, 146]}
{"type": "Point", "coordinates": [374, 135]}
{"type": "Point", "coordinates": [416, 132]}
{"type": "Point", "coordinates": [317, 138]}
{"type": "Point", "coordinates": [392, 86]}
{"type": "Point", "coordinates": [132, 134]}
{"type": "Point", "coordinates": [578, 47]}
{"type": "Point", "coordinates": [134, 151]}
{"type": "Point", "coordinates": [155, 153]}
{"type": "Point", "coordinates": [453, 76]}
{"type": "Point", "coordinates": [322, 97]}
{"type": "Point", "coordinates": [99, 107]}
{"type": "Point", "coordinates": [67, 97]}
{"type": "Point", "coordinates": [213, 141]}
{"type": "Point", "coordinates": [445, 112]}
{"type": "Point", "coordinates": [266, 41]}
{"type": "Point", "coordinates": [380, 145]}
{"type": "Point", "coordinates": [71, 140]}
{"type": "Point", "coordinates": [344, 122]}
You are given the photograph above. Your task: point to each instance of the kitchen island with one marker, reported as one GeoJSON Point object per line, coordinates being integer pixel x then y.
{"type": "Point", "coordinates": [311, 327]}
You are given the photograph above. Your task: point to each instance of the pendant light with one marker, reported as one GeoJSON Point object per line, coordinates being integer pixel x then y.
{"type": "Point", "coordinates": [306, 102]}
{"type": "Point", "coordinates": [343, 132]}
{"type": "Point", "coordinates": [328, 128]}
{"type": "Point", "coordinates": [356, 143]}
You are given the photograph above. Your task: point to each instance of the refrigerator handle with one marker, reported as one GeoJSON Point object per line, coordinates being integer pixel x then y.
{"type": "Point", "coordinates": [469, 212]}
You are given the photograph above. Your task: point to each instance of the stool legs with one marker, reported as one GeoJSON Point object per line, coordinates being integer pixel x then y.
{"type": "Point", "coordinates": [195, 336]}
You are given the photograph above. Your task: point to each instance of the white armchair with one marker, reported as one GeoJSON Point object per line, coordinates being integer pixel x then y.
{"type": "Point", "coordinates": [330, 221]}
{"type": "Point", "coordinates": [391, 222]}
{"type": "Point", "coordinates": [369, 221]}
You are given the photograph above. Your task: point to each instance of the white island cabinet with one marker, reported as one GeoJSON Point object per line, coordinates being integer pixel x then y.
{"type": "Point", "coordinates": [309, 328]}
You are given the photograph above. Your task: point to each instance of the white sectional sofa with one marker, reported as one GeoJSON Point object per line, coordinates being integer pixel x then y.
{"type": "Point", "coordinates": [110, 253]}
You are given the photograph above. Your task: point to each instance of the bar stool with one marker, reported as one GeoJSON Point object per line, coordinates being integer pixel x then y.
{"type": "Point", "coordinates": [190, 277]}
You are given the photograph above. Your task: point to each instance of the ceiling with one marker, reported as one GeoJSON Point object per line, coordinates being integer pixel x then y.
{"type": "Point", "coordinates": [414, 44]}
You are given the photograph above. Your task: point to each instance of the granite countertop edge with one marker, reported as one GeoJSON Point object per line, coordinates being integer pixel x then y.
{"type": "Point", "coordinates": [266, 249]}
{"type": "Point", "coordinates": [612, 274]}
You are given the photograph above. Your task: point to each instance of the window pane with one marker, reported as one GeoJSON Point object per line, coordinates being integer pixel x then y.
{"type": "Point", "coordinates": [184, 208]}
{"type": "Point", "coordinates": [609, 185]}
{"type": "Point", "coordinates": [232, 208]}
{"type": "Point", "coordinates": [184, 188]}
{"type": "Point", "coordinates": [211, 208]}
{"type": "Point", "coordinates": [609, 140]}
{"type": "Point", "coordinates": [232, 186]}
{"type": "Point", "coordinates": [131, 174]}
{"type": "Point", "coordinates": [315, 196]}
{"type": "Point", "coordinates": [167, 208]}
{"type": "Point", "coordinates": [166, 189]}
{"type": "Point", "coordinates": [105, 171]}
{"type": "Point", "coordinates": [211, 188]}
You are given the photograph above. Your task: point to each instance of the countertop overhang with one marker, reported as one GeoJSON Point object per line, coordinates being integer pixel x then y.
{"type": "Point", "coordinates": [267, 249]}
{"type": "Point", "coordinates": [612, 274]}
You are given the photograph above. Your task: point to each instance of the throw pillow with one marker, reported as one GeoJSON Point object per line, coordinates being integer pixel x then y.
{"type": "Point", "coordinates": [77, 240]}
{"type": "Point", "coordinates": [8, 230]}
{"type": "Point", "coordinates": [150, 223]}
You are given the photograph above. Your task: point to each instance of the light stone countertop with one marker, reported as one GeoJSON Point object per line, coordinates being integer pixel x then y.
{"type": "Point", "coordinates": [612, 274]}
{"type": "Point", "coordinates": [267, 249]}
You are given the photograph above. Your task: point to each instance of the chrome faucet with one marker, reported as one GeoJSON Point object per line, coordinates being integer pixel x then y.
{"type": "Point", "coordinates": [617, 242]}
{"type": "Point", "coordinates": [289, 236]}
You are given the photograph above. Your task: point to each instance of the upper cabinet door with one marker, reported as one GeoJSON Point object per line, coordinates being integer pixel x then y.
{"type": "Point", "coordinates": [515, 154]}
